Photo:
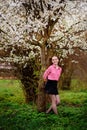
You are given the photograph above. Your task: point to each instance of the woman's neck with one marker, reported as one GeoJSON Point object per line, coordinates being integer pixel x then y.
{"type": "Point", "coordinates": [56, 65]}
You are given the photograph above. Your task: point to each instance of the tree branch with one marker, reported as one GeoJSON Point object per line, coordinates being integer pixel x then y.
{"type": "Point", "coordinates": [2, 31]}
{"type": "Point", "coordinates": [68, 30]}
{"type": "Point", "coordinates": [33, 42]}
{"type": "Point", "coordinates": [8, 23]}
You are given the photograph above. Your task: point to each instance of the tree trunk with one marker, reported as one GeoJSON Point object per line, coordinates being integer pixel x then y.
{"type": "Point", "coordinates": [28, 79]}
{"type": "Point", "coordinates": [65, 80]}
{"type": "Point", "coordinates": [41, 103]}
{"type": "Point", "coordinates": [29, 93]}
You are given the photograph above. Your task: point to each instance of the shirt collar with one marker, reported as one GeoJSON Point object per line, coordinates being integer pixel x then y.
{"type": "Point", "coordinates": [55, 66]}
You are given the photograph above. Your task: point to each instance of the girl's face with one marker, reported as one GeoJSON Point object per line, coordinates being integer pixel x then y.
{"type": "Point", "coordinates": [55, 60]}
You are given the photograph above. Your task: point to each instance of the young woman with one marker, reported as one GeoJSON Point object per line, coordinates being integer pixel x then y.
{"type": "Point", "coordinates": [51, 76]}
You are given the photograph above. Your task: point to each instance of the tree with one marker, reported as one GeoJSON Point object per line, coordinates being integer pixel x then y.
{"type": "Point", "coordinates": [48, 27]}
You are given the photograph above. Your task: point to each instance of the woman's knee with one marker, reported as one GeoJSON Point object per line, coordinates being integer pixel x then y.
{"type": "Point", "coordinates": [54, 105]}
{"type": "Point", "coordinates": [53, 99]}
{"type": "Point", "coordinates": [57, 102]}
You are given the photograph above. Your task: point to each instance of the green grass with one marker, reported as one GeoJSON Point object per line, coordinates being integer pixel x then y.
{"type": "Point", "coordinates": [73, 97]}
{"type": "Point", "coordinates": [16, 115]}
{"type": "Point", "coordinates": [10, 90]}
{"type": "Point", "coordinates": [80, 85]}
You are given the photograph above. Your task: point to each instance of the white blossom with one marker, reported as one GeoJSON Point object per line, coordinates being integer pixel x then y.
{"type": "Point", "coordinates": [25, 31]}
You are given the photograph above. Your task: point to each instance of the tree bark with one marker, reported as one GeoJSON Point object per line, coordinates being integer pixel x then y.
{"type": "Point", "coordinates": [41, 103]}
{"type": "Point", "coordinates": [29, 93]}
{"type": "Point", "coordinates": [28, 79]}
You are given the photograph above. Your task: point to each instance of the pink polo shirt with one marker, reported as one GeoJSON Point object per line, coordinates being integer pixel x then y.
{"type": "Point", "coordinates": [52, 73]}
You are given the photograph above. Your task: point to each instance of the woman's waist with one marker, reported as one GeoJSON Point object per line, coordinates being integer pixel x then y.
{"type": "Point", "coordinates": [52, 80]}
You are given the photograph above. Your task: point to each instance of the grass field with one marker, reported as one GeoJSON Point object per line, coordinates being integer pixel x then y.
{"type": "Point", "coordinates": [16, 115]}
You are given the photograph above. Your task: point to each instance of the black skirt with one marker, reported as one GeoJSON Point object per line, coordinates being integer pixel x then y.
{"type": "Point", "coordinates": [51, 87]}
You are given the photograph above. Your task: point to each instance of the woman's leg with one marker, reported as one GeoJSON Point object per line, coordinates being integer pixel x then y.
{"type": "Point", "coordinates": [53, 105]}
{"type": "Point", "coordinates": [57, 99]}
{"type": "Point", "coordinates": [50, 108]}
